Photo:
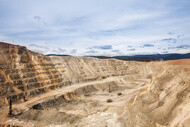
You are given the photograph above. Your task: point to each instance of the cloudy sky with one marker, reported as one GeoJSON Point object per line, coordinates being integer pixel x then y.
{"type": "Point", "coordinates": [97, 27]}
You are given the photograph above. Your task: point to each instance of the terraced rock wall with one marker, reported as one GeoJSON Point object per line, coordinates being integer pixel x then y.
{"type": "Point", "coordinates": [24, 74]}
{"type": "Point", "coordinates": [152, 94]}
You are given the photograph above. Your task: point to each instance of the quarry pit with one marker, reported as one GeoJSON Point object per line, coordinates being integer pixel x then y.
{"type": "Point", "coordinates": [86, 91]}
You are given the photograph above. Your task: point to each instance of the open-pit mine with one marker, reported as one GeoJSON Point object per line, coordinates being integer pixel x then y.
{"type": "Point", "coordinates": [39, 90]}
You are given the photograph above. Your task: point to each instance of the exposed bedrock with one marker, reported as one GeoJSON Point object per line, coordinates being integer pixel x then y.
{"type": "Point", "coordinates": [26, 74]}
{"type": "Point", "coordinates": [86, 91]}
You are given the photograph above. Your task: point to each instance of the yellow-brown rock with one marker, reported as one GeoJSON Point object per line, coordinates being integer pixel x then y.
{"type": "Point", "coordinates": [75, 90]}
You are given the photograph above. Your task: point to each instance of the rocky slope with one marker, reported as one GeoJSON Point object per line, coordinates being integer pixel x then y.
{"type": "Point", "coordinates": [26, 74]}
{"type": "Point", "coordinates": [166, 102]}
{"type": "Point", "coordinates": [73, 91]}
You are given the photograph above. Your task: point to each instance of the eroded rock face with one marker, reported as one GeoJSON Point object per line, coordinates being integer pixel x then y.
{"type": "Point", "coordinates": [26, 74]}
{"type": "Point", "coordinates": [166, 101]}
{"type": "Point", "coordinates": [73, 91]}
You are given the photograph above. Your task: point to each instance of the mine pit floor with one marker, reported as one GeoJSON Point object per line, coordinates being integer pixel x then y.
{"type": "Point", "coordinates": [90, 106]}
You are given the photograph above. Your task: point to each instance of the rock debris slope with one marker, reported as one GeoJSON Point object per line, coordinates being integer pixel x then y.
{"type": "Point", "coordinates": [73, 91]}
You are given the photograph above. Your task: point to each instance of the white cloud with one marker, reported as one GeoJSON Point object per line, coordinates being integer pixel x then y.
{"type": "Point", "coordinates": [82, 24]}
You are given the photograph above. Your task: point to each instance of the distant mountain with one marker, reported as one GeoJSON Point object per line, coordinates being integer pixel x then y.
{"type": "Point", "coordinates": [56, 55]}
{"type": "Point", "coordinates": [152, 57]}
{"type": "Point", "coordinates": [101, 57]}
